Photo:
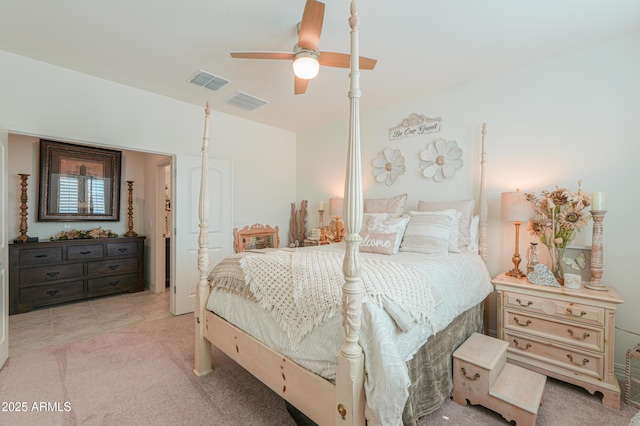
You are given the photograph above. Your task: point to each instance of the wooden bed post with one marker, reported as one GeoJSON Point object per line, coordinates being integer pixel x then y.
{"type": "Point", "coordinates": [202, 346]}
{"type": "Point", "coordinates": [350, 399]}
{"type": "Point", "coordinates": [483, 210]}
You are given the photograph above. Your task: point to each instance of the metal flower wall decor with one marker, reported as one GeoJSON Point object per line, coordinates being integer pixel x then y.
{"type": "Point", "coordinates": [388, 165]}
{"type": "Point", "coordinates": [442, 159]}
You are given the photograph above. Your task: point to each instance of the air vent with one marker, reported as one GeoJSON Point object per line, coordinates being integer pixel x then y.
{"type": "Point", "coordinates": [208, 80]}
{"type": "Point", "coordinates": [244, 101]}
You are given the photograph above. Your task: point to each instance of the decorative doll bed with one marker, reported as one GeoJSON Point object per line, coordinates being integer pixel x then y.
{"type": "Point", "coordinates": [349, 337]}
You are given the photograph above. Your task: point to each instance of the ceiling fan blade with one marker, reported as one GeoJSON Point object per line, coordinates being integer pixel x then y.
{"type": "Point", "coordinates": [263, 55]}
{"type": "Point", "coordinates": [342, 60]}
{"type": "Point", "coordinates": [300, 86]}
{"type": "Point", "coordinates": [311, 25]}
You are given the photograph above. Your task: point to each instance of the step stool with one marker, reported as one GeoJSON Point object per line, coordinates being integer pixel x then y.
{"type": "Point", "coordinates": [482, 376]}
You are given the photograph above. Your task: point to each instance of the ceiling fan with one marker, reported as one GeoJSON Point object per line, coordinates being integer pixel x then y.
{"type": "Point", "coordinates": [306, 56]}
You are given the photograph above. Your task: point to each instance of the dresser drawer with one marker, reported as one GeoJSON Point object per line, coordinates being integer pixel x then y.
{"type": "Point", "coordinates": [583, 336]}
{"type": "Point", "coordinates": [52, 293]}
{"type": "Point", "coordinates": [575, 360]}
{"type": "Point", "coordinates": [122, 249]}
{"type": "Point", "coordinates": [113, 284]}
{"type": "Point", "coordinates": [95, 251]}
{"type": "Point", "coordinates": [40, 256]}
{"type": "Point", "coordinates": [45, 274]}
{"type": "Point", "coordinates": [556, 308]}
{"type": "Point", "coordinates": [114, 266]}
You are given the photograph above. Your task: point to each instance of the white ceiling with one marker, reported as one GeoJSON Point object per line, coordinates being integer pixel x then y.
{"type": "Point", "coordinates": [421, 45]}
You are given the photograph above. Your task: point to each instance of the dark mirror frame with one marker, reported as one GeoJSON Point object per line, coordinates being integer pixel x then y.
{"type": "Point", "coordinates": [86, 165]}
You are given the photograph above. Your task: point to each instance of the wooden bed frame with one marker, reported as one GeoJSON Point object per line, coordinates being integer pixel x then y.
{"type": "Point", "coordinates": [342, 403]}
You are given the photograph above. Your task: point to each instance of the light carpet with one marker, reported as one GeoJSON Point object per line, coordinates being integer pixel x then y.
{"type": "Point", "coordinates": [143, 375]}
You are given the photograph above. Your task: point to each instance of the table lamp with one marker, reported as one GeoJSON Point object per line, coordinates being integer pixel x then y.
{"type": "Point", "coordinates": [516, 209]}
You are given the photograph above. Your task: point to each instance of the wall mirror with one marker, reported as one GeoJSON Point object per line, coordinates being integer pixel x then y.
{"type": "Point", "coordinates": [78, 183]}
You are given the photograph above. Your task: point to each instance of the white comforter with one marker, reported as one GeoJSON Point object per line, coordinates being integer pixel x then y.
{"type": "Point", "coordinates": [457, 282]}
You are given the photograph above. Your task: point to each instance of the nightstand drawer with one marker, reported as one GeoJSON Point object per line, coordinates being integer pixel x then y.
{"type": "Point", "coordinates": [582, 336]}
{"type": "Point", "coordinates": [556, 308]}
{"type": "Point", "coordinates": [577, 361]}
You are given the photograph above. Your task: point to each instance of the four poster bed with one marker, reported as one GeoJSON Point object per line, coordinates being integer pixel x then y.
{"type": "Point", "coordinates": [347, 333]}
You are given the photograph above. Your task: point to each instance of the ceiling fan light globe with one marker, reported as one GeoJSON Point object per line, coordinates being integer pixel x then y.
{"type": "Point", "coordinates": [306, 67]}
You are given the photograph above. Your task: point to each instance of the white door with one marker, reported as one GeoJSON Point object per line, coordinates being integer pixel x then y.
{"type": "Point", "coordinates": [186, 193]}
{"type": "Point", "coordinates": [4, 255]}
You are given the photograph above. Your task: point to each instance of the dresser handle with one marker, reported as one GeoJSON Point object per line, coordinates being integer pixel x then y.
{"type": "Point", "coordinates": [85, 252]}
{"type": "Point", "coordinates": [114, 283]}
{"type": "Point", "coordinates": [518, 322]}
{"type": "Point", "coordinates": [122, 250]}
{"type": "Point", "coordinates": [52, 292]}
{"type": "Point", "coordinates": [584, 361]}
{"type": "Point", "coordinates": [582, 313]}
{"type": "Point", "coordinates": [52, 274]}
{"type": "Point", "coordinates": [527, 346]}
{"type": "Point", "coordinates": [584, 336]}
{"type": "Point", "coordinates": [113, 267]}
{"type": "Point", "coordinates": [40, 255]}
{"type": "Point", "coordinates": [464, 373]}
{"type": "Point", "coordinates": [529, 303]}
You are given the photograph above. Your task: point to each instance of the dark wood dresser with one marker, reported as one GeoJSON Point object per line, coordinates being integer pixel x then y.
{"type": "Point", "coordinates": [45, 273]}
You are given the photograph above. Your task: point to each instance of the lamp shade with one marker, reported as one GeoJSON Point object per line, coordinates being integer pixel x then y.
{"type": "Point", "coordinates": [515, 207]}
{"type": "Point", "coordinates": [336, 206]}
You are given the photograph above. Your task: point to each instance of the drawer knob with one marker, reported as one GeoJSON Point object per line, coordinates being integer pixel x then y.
{"type": "Point", "coordinates": [113, 267]}
{"type": "Point", "coordinates": [52, 274]}
{"type": "Point", "coordinates": [527, 346]}
{"type": "Point", "coordinates": [464, 373]}
{"type": "Point", "coordinates": [584, 361]}
{"type": "Point", "coordinates": [582, 313]}
{"type": "Point", "coordinates": [529, 302]}
{"type": "Point", "coordinates": [584, 335]}
{"type": "Point", "coordinates": [52, 292]}
{"type": "Point", "coordinates": [523, 324]}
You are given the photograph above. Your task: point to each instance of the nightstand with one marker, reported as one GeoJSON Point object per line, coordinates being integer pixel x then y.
{"type": "Point", "coordinates": [564, 334]}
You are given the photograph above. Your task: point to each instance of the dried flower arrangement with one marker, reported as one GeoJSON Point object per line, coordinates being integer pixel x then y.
{"type": "Point", "coordinates": [86, 234]}
{"type": "Point", "coordinates": [559, 216]}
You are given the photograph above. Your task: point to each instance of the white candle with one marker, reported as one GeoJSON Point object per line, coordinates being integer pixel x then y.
{"type": "Point", "coordinates": [321, 205]}
{"type": "Point", "coordinates": [597, 201]}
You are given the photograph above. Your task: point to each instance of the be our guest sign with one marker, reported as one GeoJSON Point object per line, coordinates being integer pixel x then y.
{"type": "Point", "coordinates": [414, 125]}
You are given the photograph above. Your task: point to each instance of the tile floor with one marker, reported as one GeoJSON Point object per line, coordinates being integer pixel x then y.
{"type": "Point", "coordinates": [54, 325]}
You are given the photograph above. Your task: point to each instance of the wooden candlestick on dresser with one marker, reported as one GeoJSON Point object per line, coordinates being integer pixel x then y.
{"type": "Point", "coordinates": [130, 232]}
{"type": "Point", "coordinates": [597, 252]}
{"type": "Point", "coordinates": [23, 209]}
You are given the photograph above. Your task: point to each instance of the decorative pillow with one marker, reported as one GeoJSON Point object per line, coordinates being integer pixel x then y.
{"type": "Point", "coordinates": [388, 225]}
{"type": "Point", "coordinates": [474, 232]}
{"type": "Point", "coordinates": [365, 221]}
{"type": "Point", "coordinates": [465, 207]}
{"type": "Point", "coordinates": [394, 205]}
{"type": "Point", "coordinates": [429, 232]}
{"type": "Point", "coordinates": [378, 243]}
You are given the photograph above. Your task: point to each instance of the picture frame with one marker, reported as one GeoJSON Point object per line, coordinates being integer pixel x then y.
{"type": "Point", "coordinates": [78, 183]}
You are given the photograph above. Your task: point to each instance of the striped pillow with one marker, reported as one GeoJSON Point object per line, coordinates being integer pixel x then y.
{"type": "Point", "coordinates": [429, 232]}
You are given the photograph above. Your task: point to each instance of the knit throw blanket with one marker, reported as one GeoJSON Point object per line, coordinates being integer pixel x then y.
{"type": "Point", "coordinates": [302, 288]}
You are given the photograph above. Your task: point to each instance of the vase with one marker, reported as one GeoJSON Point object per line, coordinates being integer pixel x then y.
{"type": "Point", "coordinates": [555, 258]}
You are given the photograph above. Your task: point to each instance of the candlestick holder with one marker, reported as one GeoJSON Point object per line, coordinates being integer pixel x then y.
{"type": "Point", "coordinates": [323, 232]}
{"type": "Point", "coordinates": [597, 252]}
{"type": "Point", "coordinates": [130, 232]}
{"type": "Point", "coordinates": [23, 238]}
